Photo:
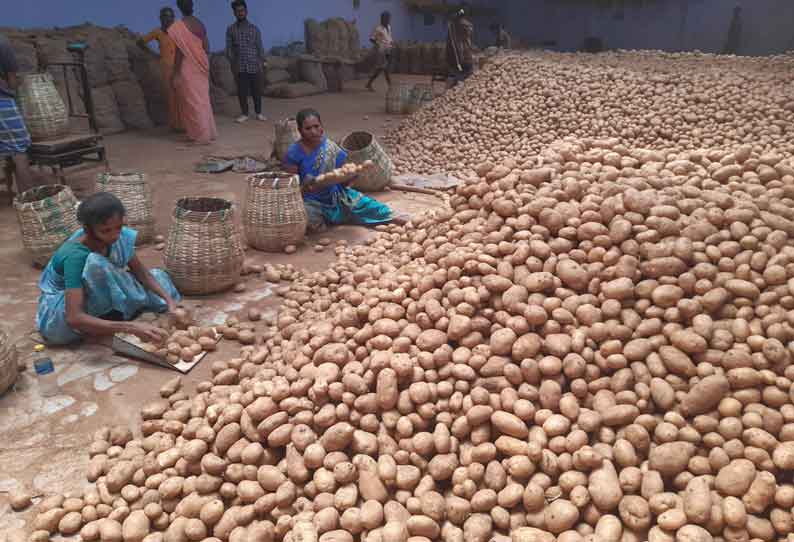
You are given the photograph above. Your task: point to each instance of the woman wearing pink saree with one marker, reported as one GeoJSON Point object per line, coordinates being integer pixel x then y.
{"type": "Point", "coordinates": [192, 75]}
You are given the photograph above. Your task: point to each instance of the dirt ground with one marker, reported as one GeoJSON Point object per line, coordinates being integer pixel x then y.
{"type": "Point", "coordinates": [43, 441]}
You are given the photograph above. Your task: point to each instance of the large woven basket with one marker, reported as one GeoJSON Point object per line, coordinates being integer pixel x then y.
{"type": "Point", "coordinates": [204, 250]}
{"type": "Point", "coordinates": [286, 134]}
{"type": "Point", "coordinates": [396, 98]}
{"type": "Point", "coordinates": [274, 214]}
{"type": "Point", "coordinates": [136, 195]}
{"type": "Point", "coordinates": [362, 146]}
{"type": "Point", "coordinates": [47, 216]}
{"type": "Point", "coordinates": [8, 362]}
{"type": "Point", "coordinates": [45, 113]}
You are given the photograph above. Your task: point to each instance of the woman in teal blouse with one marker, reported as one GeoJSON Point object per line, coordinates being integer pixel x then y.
{"type": "Point", "coordinates": [95, 285]}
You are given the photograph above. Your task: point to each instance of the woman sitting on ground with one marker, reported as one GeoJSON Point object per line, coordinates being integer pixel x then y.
{"type": "Point", "coordinates": [94, 284]}
{"type": "Point", "coordinates": [314, 155]}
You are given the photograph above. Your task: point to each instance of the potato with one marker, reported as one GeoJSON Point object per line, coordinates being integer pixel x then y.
{"type": "Point", "coordinates": [692, 533]}
{"type": "Point", "coordinates": [19, 500]}
{"type": "Point", "coordinates": [560, 516]}
{"type": "Point", "coordinates": [110, 531]}
{"type": "Point", "coordinates": [70, 523]}
{"type": "Point", "coordinates": [135, 527]}
{"type": "Point", "coordinates": [735, 478]}
{"type": "Point", "coordinates": [604, 487]}
{"type": "Point", "coordinates": [49, 520]}
{"type": "Point", "coordinates": [697, 500]}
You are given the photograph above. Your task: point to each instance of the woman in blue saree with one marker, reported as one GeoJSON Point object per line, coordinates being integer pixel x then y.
{"type": "Point", "coordinates": [316, 154]}
{"type": "Point", "coordinates": [94, 284]}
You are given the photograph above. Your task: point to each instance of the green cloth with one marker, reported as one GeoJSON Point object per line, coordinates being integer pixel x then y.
{"type": "Point", "coordinates": [69, 262]}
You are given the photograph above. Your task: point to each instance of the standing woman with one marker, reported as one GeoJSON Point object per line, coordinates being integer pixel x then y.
{"type": "Point", "coordinates": [192, 75]}
{"type": "Point", "coordinates": [314, 155]}
{"type": "Point", "coordinates": [167, 59]}
{"type": "Point", "coordinates": [95, 285]}
{"type": "Point", "coordinates": [384, 44]}
{"type": "Point", "coordinates": [460, 49]}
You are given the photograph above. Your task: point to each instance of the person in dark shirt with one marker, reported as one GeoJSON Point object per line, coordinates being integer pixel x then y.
{"type": "Point", "coordinates": [246, 55]}
{"type": "Point", "coordinates": [734, 40]}
{"type": "Point", "coordinates": [503, 38]}
{"type": "Point", "coordinates": [460, 49]}
{"type": "Point", "coordinates": [14, 136]}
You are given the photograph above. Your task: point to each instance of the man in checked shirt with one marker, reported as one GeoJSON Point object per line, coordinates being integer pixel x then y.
{"type": "Point", "coordinates": [244, 51]}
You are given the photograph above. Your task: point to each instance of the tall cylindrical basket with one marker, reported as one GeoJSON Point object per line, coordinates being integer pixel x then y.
{"type": "Point", "coordinates": [420, 94]}
{"type": "Point", "coordinates": [396, 98]}
{"type": "Point", "coordinates": [45, 113]}
{"type": "Point", "coordinates": [286, 134]}
{"type": "Point", "coordinates": [47, 216]}
{"type": "Point", "coordinates": [362, 146]}
{"type": "Point", "coordinates": [136, 194]}
{"type": "Point", "coordinates": [274, 215]}
{"type": "Point", "coordinates": [8, 362]}
{"type": "Point", "coordinates": [204, 249]}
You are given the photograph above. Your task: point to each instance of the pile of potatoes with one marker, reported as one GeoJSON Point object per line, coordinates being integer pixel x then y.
{"type": "Point", "coordinates": [592, 344]}
{"type": "Point", "coordinates": [521, 103]}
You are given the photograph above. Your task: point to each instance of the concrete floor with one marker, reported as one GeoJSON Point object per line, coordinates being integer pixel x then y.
{"type": "Point", "coordinates": [43, 442]}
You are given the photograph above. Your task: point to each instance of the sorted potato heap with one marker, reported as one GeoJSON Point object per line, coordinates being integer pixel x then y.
{"type": "Point", "coordinates": [521, 103]}
{"type": "Point", "coordinates": [589, 345]}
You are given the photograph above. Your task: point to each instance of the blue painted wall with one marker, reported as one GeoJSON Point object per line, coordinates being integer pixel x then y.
{"type": "Point", "coordinates": [672, 25]}
{"type": "Point", "coordinates": [281, 21]}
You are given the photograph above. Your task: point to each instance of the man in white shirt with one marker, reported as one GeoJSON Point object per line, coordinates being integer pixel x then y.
{"type": "Point", "coordinates": [382, 40]}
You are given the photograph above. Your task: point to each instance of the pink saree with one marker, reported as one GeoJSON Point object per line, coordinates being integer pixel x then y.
{"type": "Point", "coordinates": [193, 85]}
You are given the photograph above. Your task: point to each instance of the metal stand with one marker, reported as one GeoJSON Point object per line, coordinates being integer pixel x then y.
{"type": "Point", "coordinates": [74, 149]}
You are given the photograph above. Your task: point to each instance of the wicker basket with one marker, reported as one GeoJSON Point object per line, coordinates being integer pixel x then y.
{"type": "Point", "coordinates": [45, 113]}
{"type": "Point", "coordinates": [396, 97]}
{"type": "Point", "coordinates": [47, 217]}
{"type": "Point", "coordinates": [204, 250]}
{"type": "Point", "coordinates": [8, 362]}
{"type": "Point", "coordinates": [136, 195]}
{"type": "Point", "coordinates": [421, 94]}
{"type": "Point", "coordinates": [286, 134]}
{"type": "Point", "coordinates": [362, 146]}
{"type": "Point", "coordinates": [274, 215]}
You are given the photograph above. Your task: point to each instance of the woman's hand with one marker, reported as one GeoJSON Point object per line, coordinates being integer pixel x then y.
{"type": "Point", "coordinates": [147, 332]}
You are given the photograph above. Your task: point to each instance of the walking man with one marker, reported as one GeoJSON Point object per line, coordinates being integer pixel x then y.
{"type": "Point", "coordinates": [246, 55]}
{"type": "Point", "coordinates": [14, 136]}
{"type": "Point", "coordinates": [382, 39]}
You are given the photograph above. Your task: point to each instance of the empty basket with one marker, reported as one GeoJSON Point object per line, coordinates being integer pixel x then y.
{"type": "Point", "coordinates": [47, 217]}
{"type": "Point", "coordinates": [274, 214]}
{"type": "Point", "coordinates": [45, 113]}
{"type": "Point", "coordinates": [204, 250]}
{"type": "Point", "coordinates": [136, 195]}
{"type": "Point", "coordinates": [362, 146]}
{"type": "Point", "coordinates": [396, 98]}
{"type": "Point", "coordinates": [286, 134]}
